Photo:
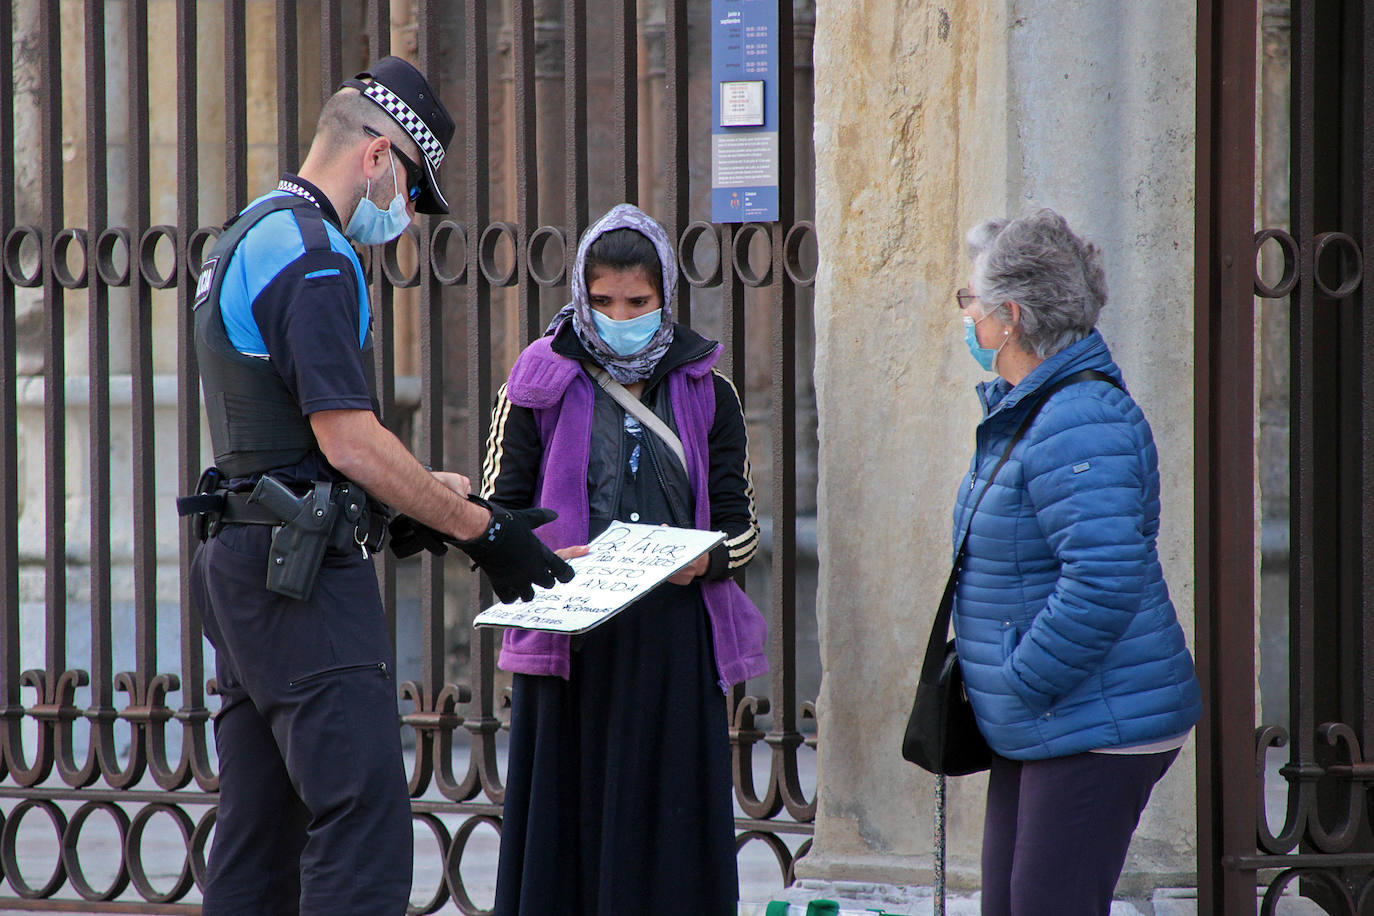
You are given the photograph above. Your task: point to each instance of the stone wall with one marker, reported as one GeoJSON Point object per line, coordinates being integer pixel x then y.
{"type": "Point", "coordinates": [943, 116]}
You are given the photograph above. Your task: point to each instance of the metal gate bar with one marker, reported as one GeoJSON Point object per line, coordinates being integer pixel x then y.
{"type": "Point", "coordinates": [195, 751]}
{"type": "Point", "coordinates": [482, 774]}
{"type": "Point", "coordinates": [1224, 500]}
{"type": "Point", "coordinates": [101, 756]}
{"type": "Point", "coordinates": [10, 709]}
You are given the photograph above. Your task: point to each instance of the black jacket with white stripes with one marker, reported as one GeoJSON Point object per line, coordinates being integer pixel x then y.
{"type": "Point", "coordinates": [515, 454]}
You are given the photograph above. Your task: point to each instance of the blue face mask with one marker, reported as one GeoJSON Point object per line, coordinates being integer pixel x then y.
{"type": "Point", "coordinates": [370, 224]}
{"type": "Point", "coordinates": [631, 335]}
{"type": "Point", "coordinates": [986, 356]}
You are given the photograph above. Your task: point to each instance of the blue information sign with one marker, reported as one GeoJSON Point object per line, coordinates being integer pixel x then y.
{"type": "Point", "coordinates": [744, 111]}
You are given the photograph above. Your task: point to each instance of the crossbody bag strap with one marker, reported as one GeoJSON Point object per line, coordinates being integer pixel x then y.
{"type": "Point", "coordinates": [939, 630]}
{"type": "Point", "coordinates": [639, 410]}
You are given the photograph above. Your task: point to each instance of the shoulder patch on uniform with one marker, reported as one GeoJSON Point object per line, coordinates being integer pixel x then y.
{"type": "Point", "coordinates": [204, 282]}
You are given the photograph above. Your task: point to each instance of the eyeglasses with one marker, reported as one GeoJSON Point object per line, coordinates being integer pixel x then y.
{"type": "Point", "coordinates": [966, 297]}
{"type": "Point", "coordinates": [414, 175]}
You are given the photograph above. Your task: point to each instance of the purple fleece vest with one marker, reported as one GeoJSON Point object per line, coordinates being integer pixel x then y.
{"type": "Point", "coordinates": [561, 396]}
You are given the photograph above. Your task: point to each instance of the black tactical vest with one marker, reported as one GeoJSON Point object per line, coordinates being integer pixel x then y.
{"type": "Point", "coordinates": [255, 422]}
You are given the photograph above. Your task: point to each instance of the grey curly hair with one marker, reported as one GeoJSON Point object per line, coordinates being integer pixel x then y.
{"type": "Point", "coordinates": [1039, 263]}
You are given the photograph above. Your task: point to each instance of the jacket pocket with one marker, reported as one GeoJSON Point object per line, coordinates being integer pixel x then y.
{"type": "Point", "coordinates": [1011, 638]}
{"type": "Point", "coordinates": [379, 667]}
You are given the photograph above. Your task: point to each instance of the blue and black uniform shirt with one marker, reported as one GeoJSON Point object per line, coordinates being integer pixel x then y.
{"type": "Point", "coordinates": [304, 310]}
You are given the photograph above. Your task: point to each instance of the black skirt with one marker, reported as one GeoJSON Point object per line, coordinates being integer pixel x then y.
{"type": "Point", "coordinates": [618, 790]}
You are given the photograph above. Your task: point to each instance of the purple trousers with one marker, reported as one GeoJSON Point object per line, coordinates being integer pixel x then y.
{"type": "Point", "coordinates": [1056, 831]}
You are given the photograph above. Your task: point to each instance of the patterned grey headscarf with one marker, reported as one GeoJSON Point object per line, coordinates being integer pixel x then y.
{"type": "Point", "coordinates": [637, 366]}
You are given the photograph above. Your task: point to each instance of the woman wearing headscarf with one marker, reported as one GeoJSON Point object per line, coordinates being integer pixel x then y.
{"type": "Point", "coordinates": [1072, 655]}
{"type": "Point", "coordinates": [618, 790]}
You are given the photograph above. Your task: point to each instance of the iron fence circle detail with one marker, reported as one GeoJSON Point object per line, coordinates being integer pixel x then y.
{"type": "Point", "coordinates": [441, 834]}
{"type": "Point", "coordinates": [455, 859]}
{"type": "Point", "coordinates": [104, 256]}
{"type": "Point", "coordinates": [133, 853]}
{"type": "Point", "coordinates": [791, 252]}
{"type": "Point", "coordinates": [200, 840]}
{"type": "Point", "coordinates": [686, 254]}
{"type": "Point", "coordinates": [535, 247]}
{"type": "Point", "coordinates": [147, 256]}
{"type": "Point", "coordinates": [1366, 895]}
{"type": "Point", "coordinates": [8, 842]}
{"type": "Point", "coordinates": [14, 253]}
{"type": "Point", "coordinates": [1273, 893]}
{"type": "Point", "coordinates": [1291, 256]}
{"type": "Point", "coordinates": [486, 254]}
{"type": "Point", "coordinates": [195, 249]}
{"type": "Point", "coordinates": [1351, 281]}
{"type": "Point", "coordinates": [439, 256]}
{"type": "Point", "coordinates": [60, 243]}
{"type": "Point", "coordinates": [743, 239]}
{"type": "Point", "coordinates": [773, 842]}
{"type": "Point", "coordinates": [391, 265]}
{"type": "Point", "coordinates": [71, 859]}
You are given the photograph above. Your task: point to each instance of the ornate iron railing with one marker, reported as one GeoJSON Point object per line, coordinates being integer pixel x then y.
{"type": "Point", "coordinates": [83, 743]}
{"type": "Point", "coordinates": [1307, 827]}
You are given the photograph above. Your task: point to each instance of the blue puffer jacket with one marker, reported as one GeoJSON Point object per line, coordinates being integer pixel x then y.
{"type": "Point", "coordinates": [1067, 636]}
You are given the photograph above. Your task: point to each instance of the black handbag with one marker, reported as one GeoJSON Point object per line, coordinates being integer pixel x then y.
{"type": "Point", "coordinates": [942, 735]}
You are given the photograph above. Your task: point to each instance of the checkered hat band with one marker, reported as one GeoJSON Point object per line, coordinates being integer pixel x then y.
{"type": "Point", "coordinates": [413, 123]}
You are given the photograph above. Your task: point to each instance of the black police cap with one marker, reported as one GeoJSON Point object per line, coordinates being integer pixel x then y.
{"type": "Point", "coordinates": [404, 94]}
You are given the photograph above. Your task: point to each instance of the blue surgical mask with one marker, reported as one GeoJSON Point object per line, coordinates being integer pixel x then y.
{"type": "Point", "coordinates": [986, 356]}
{"type": "Point", "coordinates": [370, 224]}
{"type": "Point", "coordinates": [631, 335]}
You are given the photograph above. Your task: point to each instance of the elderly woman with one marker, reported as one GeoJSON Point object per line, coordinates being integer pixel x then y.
{"type": "Point", "coordinates": [1073, 657]}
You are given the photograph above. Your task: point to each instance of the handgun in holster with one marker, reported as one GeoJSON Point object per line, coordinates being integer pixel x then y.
{"type": "Point", "coordinates": [298, 546]}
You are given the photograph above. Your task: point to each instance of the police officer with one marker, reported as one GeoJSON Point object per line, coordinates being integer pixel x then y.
{"type": "Point", "coordinates": [314, 813]}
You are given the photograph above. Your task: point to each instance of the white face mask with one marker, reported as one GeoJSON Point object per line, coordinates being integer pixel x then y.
{"type": "Point", "coordinates": [370, 224]}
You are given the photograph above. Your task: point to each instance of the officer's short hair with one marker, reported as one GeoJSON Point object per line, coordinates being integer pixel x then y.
{"type": "Point", "coordinates": [343, 117]}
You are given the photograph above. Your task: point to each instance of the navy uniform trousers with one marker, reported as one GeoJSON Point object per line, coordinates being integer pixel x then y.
{"type": "Point", "coordinates": [314, 813]}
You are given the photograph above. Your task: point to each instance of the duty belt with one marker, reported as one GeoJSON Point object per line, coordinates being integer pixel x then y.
{"type": "Point", "coordinates": [358, 523]}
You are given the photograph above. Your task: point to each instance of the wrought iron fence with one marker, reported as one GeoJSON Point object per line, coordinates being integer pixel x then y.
{"type": "Point", "coordinates": [1283, 789]}
{"type": "Point", "coordinates": [85, 743]}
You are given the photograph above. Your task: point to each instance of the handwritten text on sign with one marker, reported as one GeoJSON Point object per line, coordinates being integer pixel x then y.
{"type": "Point", "coordinates": [625, 563]}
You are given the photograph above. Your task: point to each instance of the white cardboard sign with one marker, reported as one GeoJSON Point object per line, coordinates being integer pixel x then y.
{"type": "Point", "coordinates": [625, 563]}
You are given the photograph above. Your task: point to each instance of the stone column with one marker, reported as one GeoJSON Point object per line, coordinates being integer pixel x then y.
{"type": "Point", "coordinates": [930, 118]}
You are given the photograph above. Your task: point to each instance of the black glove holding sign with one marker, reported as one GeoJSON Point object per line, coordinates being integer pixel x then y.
{"type": "Point", "coordinates": [514, 559]}
{"type": "Point", "coordinates": [509, 552]}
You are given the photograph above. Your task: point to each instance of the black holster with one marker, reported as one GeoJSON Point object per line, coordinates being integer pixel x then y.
{"type": "Point", "coordinates": [298, 546]}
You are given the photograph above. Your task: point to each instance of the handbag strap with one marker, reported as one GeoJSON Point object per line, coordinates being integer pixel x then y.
{"type": "Point", "coordinates": [939, 630]}
{"type": "Point", "coordinates": [639, 410]}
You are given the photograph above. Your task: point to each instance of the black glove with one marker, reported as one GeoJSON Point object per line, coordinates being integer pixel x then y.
{"type": "Point", "coordinates": [514, 559]}
{"type": "Point", "coordinates": [407, 537]}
